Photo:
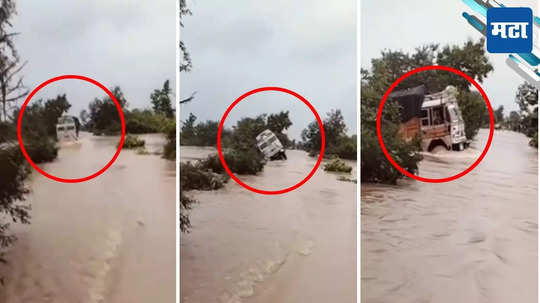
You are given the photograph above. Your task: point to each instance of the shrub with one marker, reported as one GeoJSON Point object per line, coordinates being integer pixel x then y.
{"type": "Point", "coordinates": [133, 142]}
{"type": "Point", "coordinates": [337, 165]}
{"type": "Point", "coordinates": [244, 162]}
{"type": "Point", "coordinates": [345, 148]}
{"type": "Point", "coordinates": [346, 179]}
{"type": "Point", "coordinates": [337, 142]}
{"type": "Point", "coordinates": [197, 176]}
{"type": "Point", "coordinates": [41, 150]}
{"type": "Point", "coordinates": [169, 150]}
{"type": "Point", "coordinates": [12, 189]}
{"type": "Point", "coordinates": [185, 205]}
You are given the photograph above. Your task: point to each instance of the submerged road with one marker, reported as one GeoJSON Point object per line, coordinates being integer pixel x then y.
{"type": "Point", "coordinates": [289, 248]}
{"type": "Point", "coordinates": [470, 240]}
{"type": "Point", "coordinates": [111, 239]}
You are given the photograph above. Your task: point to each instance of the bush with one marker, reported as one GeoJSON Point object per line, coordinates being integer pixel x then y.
{"type": "Point", "coordinates": [169, 150]}
{"type": "Point", "coordinates": [375, 167]}
{"type": "Point", "coordinates": [337, 165]}
{"type": "Point", "coordinates": [197, 176]}
{"type": "Point", "coordinates": [346, 179]}
{"type": "Point", "coordinates": [185, 205]}
{"type": "Point", "coordinates": [133, 142]}
{"type": "Point", "coordinates": [41, 150]}
{"type": "Point", "coordinates": [337, 143]}
{"type": "Point", "coordinates": [244, 162]}
{"type": "Point", "coordinates": [344, 149]}
{"type": "Point", "coordinates": [14, 171]}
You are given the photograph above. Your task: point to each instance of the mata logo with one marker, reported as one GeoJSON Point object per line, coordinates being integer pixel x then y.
{"type": "Point", "coordinates": [509, 30]}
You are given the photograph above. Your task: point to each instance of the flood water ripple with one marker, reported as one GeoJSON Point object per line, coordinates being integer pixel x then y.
{"type": "Point", "coordinates": [111, 239]}
{"type": "Point", "coordinates": [252, 248]}
{"type": "Point", "coordinates": [469, 240]}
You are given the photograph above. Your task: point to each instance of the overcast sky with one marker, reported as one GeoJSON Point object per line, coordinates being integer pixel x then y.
{"type": "Point", "coordinates": [307, 46]}
{"type": "Point", "coordinates": [116, 42]}
{"type": "Point", "coordinates": [404, 25]}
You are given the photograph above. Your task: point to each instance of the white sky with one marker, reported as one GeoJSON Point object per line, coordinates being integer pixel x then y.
{"type": "Point", "coordinates": [116, 42]}
{"type": "Point", "coordinates": [307, 46]}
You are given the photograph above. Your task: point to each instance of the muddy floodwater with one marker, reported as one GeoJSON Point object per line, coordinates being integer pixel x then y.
{"type": "Point", "coordinates": [252, 248]}
{"type": "Point", "coordinates": [469, 240]}
{"type": "Point", "coordinates": [111, 239]}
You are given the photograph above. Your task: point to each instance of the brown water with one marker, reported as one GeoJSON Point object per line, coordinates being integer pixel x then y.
{"type": "Point", "coordinates": [111, 239]}
{"type": "Point", "coordinates": [295, 247]}
{"type": "Point", "coordinates": [470, 240]}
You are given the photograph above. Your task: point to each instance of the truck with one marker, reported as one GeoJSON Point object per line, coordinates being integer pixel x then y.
{"type": "Point", "coordinates": [67, 128]}
{"type": "Point", "coordinates": [435, 118]}
{"type": "Point", "coordinates": [269, 144]}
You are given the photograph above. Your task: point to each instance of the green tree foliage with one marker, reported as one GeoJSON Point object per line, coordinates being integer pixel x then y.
{"type": "Point", "coordinates": [103, 114]}
{"type": "Point", "coordinates": [337, 142]}
{"type": "Point", "coordinates": [474, 112]}
{"type": "Point", "coordinates": [38, 127]}
{"type": "Point", "coordinates": [277, 123]}
{"type": "Point", "coordinates": [185, 66]}
{"type": "Point", "coordinates": [241, 137]}
{"type": "Point", "coordinates": [12, 190]}
{"type": "Point", "coordinates": [161, 101]}
{"type": "Point", "coordinates": [374, 165]}
{"type": "Point", "coordinates": [527, 99]}
{"type": "Point", "coordinates": [469, 58]}
{"type": "Point", "coordinates": [54, 109]}
{"type": "Point", "coordinates": [201, 134]}
{"type": "Point", "coordinates": [498, 115]}
{"type": "Point", "coordinates": [513, 121]}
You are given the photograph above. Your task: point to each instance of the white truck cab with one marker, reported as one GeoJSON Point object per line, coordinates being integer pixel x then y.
{"type": "Point", "coordinates": [67, 129]}
{"type": "Point", "coordinates": [441, 121]}
{"type": "Point", "coordinates": [270, 146]}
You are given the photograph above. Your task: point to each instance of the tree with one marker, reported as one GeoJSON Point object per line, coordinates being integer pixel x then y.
{"type": "Point", "coordinates": [337, 143]}
{"type": "Point", "coordinates": [54, 109]}
{"type": "Point", "coordinates": [185, 65]}
{"type": "Point", "coordinates": [513, 121]}
{"type": "Point", "coordinates": [185, 59]}
{"type": "Point", "coordinates": [278, 123]}
{"type": "Point", "coordinates": [103, 113]}
{"type": "Point", "coordinates": [474, 111]}
{"type": "Point", "coordinates": [11, 85]}
{"type": "Point", "coordinates": [161, 101]}
{"type": "Point", "coordinates": [527, 99]}
{"type": "Point", "coordinates": [498, 115]}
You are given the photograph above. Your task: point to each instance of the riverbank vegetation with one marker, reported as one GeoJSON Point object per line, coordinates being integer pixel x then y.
{"type": "Point", "coordinates": [337, 142]}
{"type": "Point", "coordinates": [131, 142]}
{"type": "Point", "coordinates": [102, 117]}
{"type": "Point", "coordinates": [526, 119]}
{"type": "Point", "coordinates": [337, 165]}
{"type": "Point", "coordinates": [470, 58]}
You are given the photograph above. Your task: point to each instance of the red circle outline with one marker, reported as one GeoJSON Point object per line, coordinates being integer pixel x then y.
{"type": "Point", "coordinates": [120, 113]}
{"type": "Point", "coordinates": [271, 192]}
{"type": "Point", "coordinates": [491, 126]}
